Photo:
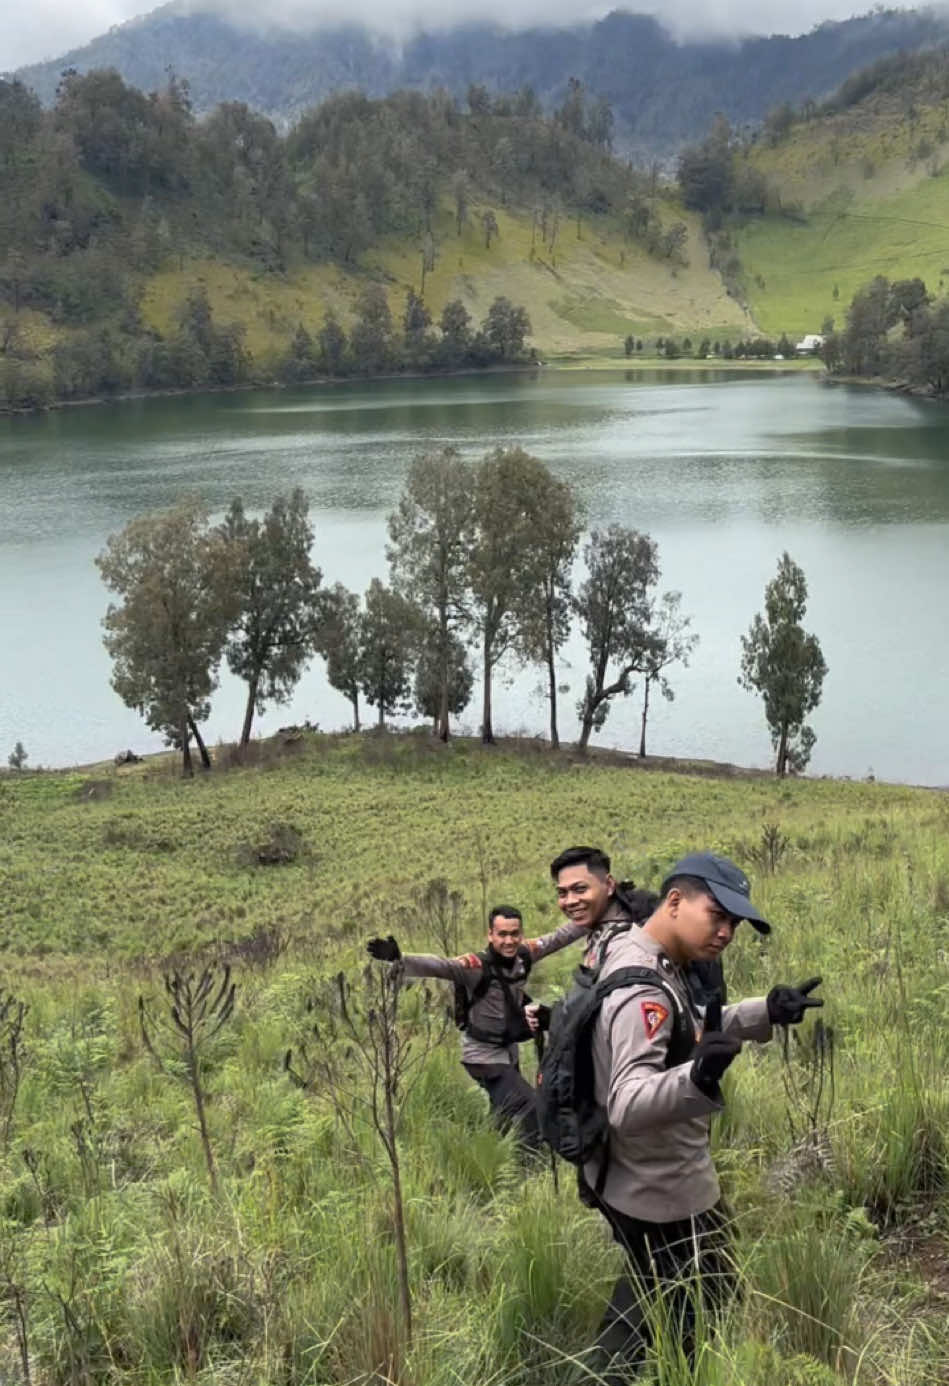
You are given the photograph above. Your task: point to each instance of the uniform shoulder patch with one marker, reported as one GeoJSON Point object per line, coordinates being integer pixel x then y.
{"type": "Point", "coordinates": [655, 1015]}
{"type": "Point", "coordinates": [469, 960]}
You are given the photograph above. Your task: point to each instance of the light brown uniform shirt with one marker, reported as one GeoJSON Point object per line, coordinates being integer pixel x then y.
{"type": "Point", "coordinates": [489, 1013]}
{"type": "Point", "coordinates": [660, 1166]}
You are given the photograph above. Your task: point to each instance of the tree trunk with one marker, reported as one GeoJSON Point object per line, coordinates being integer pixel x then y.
{"type": "Point", "coordinates": [355, 702]}
{"type": "Point", "coordinates": [185, 737]}
{"type": "Point", "coordinates": [382, 715]}
{"type": "Point", "coordinates": [782, 765]}
{"type": "Point", "coordinates": [443, 654]}
{"type": "Point", "coordinates": [252, 686]}
{"type": "Point", "coordinates": [198, 741]}
{"type": "Point", "coordinates": [552, 683]}
{"type": "Point", "coordinates": [487, 731]}
{"type": "Point", "coordinates": [642, 732]}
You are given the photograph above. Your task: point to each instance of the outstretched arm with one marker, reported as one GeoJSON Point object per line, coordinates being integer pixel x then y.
{"type": "Point", "coordinates": [559, 938]}
{"type": "Point", "coordinates": [464, 969]}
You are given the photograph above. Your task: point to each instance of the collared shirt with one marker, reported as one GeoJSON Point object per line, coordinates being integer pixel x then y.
{"type": "Point", "coordinates": [659, 1164]}
{"type": "Point", "coordinates": [489, 1012]}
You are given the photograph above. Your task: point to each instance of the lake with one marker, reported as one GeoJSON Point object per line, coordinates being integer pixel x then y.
{"type": "Point", "coordinates": [724, 469]}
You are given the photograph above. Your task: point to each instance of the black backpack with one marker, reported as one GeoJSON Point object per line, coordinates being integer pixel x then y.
{"type": "Point", "coordinates": [572, 1122]}
{"type": "Point", "coordinates": [515, 1026]}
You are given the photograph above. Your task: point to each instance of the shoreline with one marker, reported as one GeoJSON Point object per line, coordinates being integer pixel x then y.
{"type": "Point", "coordinates": [259, 386]}
{"type": "Point", "coordinates": [569, 361]}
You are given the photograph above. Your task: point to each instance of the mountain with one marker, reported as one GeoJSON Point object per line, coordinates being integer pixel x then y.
{"type": "Point", "coordinates": [826, 198]}
{"type": "Point", "coordinates": [663, 92]}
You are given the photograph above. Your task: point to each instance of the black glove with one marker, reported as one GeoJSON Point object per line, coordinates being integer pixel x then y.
{"type": "Point", "coordinates": [710, 1058]}
{"type": "Point", "coordinates": [384, 949]}
{"type": "Point", "coordinates": [786, 1005]}
{"type": "Point", "coordinates": [543, 1016]}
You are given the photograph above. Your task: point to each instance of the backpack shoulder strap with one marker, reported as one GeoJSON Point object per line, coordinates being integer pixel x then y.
{"type": "Point", "coordinates": [488, 975]}
{"type": "Point", "coordinates": [683, 1035]}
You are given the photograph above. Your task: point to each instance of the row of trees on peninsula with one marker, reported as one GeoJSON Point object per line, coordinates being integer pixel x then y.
{"type": "Point", "coordinates": [481, 556]}
{"type": "Point", "coordinates": [894, 330]}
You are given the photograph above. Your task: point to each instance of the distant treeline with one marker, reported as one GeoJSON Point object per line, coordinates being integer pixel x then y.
{"type": "Point", "coordinates": [112, 185]}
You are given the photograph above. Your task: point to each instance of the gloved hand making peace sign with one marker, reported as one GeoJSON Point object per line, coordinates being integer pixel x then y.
{"type": "Point", "coordinates": [786, 1005]}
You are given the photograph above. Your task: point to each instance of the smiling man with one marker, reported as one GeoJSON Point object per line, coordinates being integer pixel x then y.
{"type": "Point", "coordinates": [658, 1056]}
{"type": "Point", "coordinates": [490, 1008]}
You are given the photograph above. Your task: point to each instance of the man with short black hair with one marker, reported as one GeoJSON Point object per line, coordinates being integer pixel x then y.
{"type": "Point", "coordinates": [658, 1059]}
{"type": "Point", "coordinates": [492, 1008]}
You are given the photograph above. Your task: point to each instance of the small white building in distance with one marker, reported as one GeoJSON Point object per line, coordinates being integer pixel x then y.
{"type": "Point", "coordinates": [810, 344]}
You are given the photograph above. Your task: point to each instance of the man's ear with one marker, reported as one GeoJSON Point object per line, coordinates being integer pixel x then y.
{"type": "Point", "coordinates": [611, 883]}
{"type": "Point", "coordinates": [673, 900]}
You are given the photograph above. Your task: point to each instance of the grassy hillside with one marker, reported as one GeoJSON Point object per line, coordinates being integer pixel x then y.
{"type": "Point", "coordinates": [870, 190]}
{"type": "Point", "coordinates": [586, 295]}
{"type": "Point", "coordinates": [128, 1268]}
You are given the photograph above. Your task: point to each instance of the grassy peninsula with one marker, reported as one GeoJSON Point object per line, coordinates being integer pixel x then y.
{"type": "Point", "coordinates": [119, 1263]}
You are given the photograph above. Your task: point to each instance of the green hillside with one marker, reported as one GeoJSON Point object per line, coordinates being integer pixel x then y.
{"type": "Point", "coordinates": [126, 1262]}
{"type": "Point", "coordinates": [141, 248]}
{"type": "Point", "coordinates": [584, 296]}
{"type": "Point", "coordinates": [867, 188]}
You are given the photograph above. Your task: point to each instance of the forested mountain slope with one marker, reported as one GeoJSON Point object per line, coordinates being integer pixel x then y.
{"type": "Point", "coordinates": [142, 248]}
{"type": "Point", "coordinates": [663, 92]}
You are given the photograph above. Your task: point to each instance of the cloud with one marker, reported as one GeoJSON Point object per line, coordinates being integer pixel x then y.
{"type": "Point", "coordinates": [49, 28]}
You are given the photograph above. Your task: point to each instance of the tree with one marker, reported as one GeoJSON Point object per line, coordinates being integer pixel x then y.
{"type": "Point", "coordinates": [277, 590]}
{"type": "Point", "coordinates": [428, 678]}
{"type": "Point", "coordinates": [415, 324]}
{"type": "Point", "coordinates": [167, 636]}
{"type": "Point", "coordinates": [505, 327]}
{"type": "Point", "coordinates": [672, 643]}
{"type": "Point", "coordinates": [18, 757]}
{"type": "Point", "coordinates": [614, 610]}
{"type": "Point", "coordinates": [332, 341]}
{"type": "Point", "coordinates": [390, 632]}
{"type": "Point", "coordinates": [489, 223]}
{"type": "Point", "coordinates": [455, 324]}
{"type": "Point", "coordinates": [371, 337]}
{"type": "Point", "coordinates": [545, 624]}
{"type": "Point", "coordinates": [340, 643]}
{"type": "Point", "coordinates": [505, 563]}
{"type": "Point", "coordinates": [430, 540]}
{"type": "Point", "coordinates": [785, 665]}
{"type": "Point", "coordinates": [706, 172]}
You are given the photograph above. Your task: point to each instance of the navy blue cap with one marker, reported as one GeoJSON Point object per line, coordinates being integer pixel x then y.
{"type": "Point", "coordinates": [726, 881]}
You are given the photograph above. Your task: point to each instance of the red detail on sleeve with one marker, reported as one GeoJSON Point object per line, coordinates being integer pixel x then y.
{"type": "Point", "coordinates": [655, 1016]}
{"type": "Point", "coordinates": [469, 960]}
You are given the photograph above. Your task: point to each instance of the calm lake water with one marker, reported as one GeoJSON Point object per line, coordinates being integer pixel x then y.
{"type": "Point", "coordinates": [724, 470]}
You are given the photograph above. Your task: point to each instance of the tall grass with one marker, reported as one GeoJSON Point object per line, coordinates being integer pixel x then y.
{"type": "Point", "coordinates": [120, 1264]}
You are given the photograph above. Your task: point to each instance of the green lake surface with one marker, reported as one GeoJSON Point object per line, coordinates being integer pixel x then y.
{"type": "Point", "coordinates": [724, 469]}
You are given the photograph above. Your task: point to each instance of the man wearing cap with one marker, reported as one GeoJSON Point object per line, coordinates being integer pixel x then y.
{"type": "Point", "coordinates": [658, 1061]}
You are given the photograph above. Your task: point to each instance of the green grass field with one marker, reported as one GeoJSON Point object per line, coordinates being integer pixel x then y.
{"type": "Point", "coordinates": [871, 188]}
{"type": "Point", "coordinates": [119, 1264]}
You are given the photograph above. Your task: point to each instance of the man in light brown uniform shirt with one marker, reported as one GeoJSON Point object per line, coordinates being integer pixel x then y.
{"type": "Point", "coordinates": [494, 983]}
{"type": "Point", "coordinates": [658, 1188]}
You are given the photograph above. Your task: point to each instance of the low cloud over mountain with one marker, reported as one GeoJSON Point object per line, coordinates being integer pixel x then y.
{"type": "Point", "coordinates": [47, 28]}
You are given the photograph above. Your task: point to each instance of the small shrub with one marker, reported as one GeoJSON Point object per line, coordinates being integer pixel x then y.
{"type": "Point", "coordinates": [282, 845]}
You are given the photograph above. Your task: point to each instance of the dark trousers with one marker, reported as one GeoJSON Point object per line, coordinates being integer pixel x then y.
{"type": "Point", "coordinates": [512, 1099]}
{"type": "Point", "coordinates": [672, 1268]}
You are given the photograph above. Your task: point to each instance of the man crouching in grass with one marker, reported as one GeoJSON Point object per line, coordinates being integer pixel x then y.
{"type": "Point", "coordinates": [492, 1008]}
